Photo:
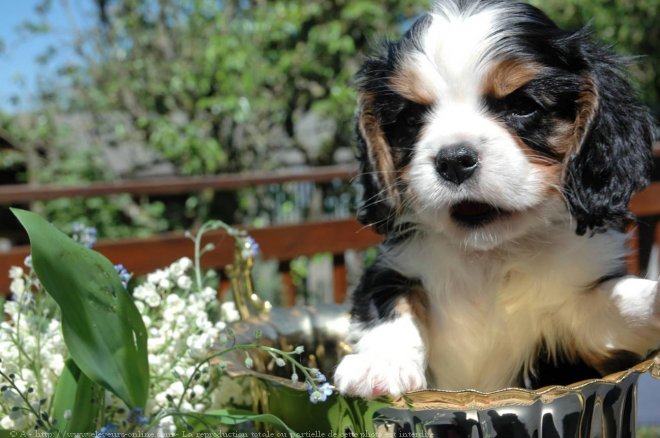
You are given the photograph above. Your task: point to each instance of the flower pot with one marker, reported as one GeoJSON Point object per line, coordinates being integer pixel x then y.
{"type": "Point", "coordinates": [593, 408]}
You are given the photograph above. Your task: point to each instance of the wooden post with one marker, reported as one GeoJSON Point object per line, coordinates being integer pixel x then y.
{"type": "Point", "coordinates": [339, 278]}
{"type": "Point", "coordinates": [288, 289]}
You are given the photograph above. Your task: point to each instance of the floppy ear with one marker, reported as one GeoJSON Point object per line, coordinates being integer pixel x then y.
{"type": "Point", "coordinates": [612, 157]}
{"type": "Point", "coordinates": [380, 197]}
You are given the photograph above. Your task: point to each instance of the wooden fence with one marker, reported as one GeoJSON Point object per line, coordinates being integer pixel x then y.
{"type": "Point", "coordinates": [281, 242]}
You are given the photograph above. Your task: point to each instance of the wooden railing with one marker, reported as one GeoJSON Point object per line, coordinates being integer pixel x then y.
{"type": "Point", "coordinates": [281, 242]}
{"type": "Point", "coordinates": [23, 193]}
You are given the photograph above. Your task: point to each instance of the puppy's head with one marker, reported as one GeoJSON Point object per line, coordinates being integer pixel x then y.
{"type": "Point", "coordinates": [486, 120]}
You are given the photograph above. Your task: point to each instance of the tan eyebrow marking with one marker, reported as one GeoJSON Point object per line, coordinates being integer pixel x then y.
{"type": "Point", "coordinates": [509, 75]}
{"type": "Point", "coordinates": [408, 83]}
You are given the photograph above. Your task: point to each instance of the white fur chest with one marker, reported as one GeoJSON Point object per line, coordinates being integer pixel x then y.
{"type": "Point", "coordinates": [490, 311]}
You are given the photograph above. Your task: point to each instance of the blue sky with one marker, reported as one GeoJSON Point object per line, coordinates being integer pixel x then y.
{"type": "Point", "coordinates": [18, 58]}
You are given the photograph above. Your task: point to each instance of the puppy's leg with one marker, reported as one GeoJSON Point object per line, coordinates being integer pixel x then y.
{"type": "Point", "coordinates": [389, 355]}
{"type": "Point", "coordinates": [619, 315]}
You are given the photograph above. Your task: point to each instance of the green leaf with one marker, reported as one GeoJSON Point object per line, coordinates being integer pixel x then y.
{"type": "Point", "coordinates": [76, 393]}
{"type": "Point", "coordinates": [102, 328]}
{"type": "Point", "coordinates": [231, 417]}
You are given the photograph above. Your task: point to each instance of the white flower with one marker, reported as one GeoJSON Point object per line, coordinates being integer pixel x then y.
{"type": "Point", "coordinates": [11, 308]}
{"type": "Point", "coordinates": [152, 300]}
{"type": "Point", "coordinates": [198, 390]}
{"type": "Point", "coordinates": [161, 399]}
{"type": "Point", "coordinates": [202, 322]}
{"type": "Point", "coordinates": [180, 267]}
{"type": "Point", "coordinates": [143, 291]}
{"type": "Point", "coordinates": [198, 345]}
{"type": "Point", "coordinates": [11, 397]}
{"type": "Point", "coordinates": [175, 389]}
{"type": "Point", "coordinates": [15, 272]}
{"type": "Point", "coordinates": [175, 302]}
{"type": "Point", "coordinates": [208, 294]}
{"type": "Point", "coordinates": [156, 277]}
{"type": "Point", "coordinates": [165, 427]}
{"type": "Point", "coordinates": [56, 363]}
{"type": "Point", "coordinates": [184, 282]}
{"type": "Point", "coordinates": [7, 424]}
{"type": "Point", "coordinates": [17, 287]}
{"type": "Point", "coordinates": [23, 422]}
{"type": "Point", "coordinates": [170, 314]}
{"type": "Point", "coordinates": [229, 312]}
{"type": "Point", "coordinates": [16, 414]}
{"type": "Point", "coordinates": [155, 343]}
{"type": "Point", "coordinates": [165, 284]}
{"type": "Point", "coordinates": [67, 414]}
{"type": "Point", "coordinates": [139, 305]}
{"type": "Point", "coordinates": [155, 360]}
{"type": "Point", "coordinates": [185, 263]}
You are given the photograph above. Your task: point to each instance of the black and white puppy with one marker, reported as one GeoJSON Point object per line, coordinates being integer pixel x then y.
{"type": "Point", "coordinates": [498, 156]}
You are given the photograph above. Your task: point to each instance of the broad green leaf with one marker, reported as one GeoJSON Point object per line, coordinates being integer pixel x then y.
{"type": "Point", "coordinates": [76, 393]}
{"type": "Point", "coordinates": [102, 328]}
{"type": "Point", "coordinates": [231, 417]}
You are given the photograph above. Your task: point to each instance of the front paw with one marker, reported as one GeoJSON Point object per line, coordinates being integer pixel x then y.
{"type": "Point", "coordinates": [371, 375]}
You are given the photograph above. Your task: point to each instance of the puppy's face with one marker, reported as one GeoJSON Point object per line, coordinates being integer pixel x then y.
{"type": "Point", "coordinates": [486, 120]}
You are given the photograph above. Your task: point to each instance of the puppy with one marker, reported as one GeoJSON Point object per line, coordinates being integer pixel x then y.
{"type": "Point", "coordinates": [498, 155]}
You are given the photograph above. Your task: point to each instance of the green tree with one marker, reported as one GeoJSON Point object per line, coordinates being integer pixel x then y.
{"type": "Point", "coordinates": [629, 26]}
{"type": "Point", "coordinates": [210, 86]}
{"type": "Point", "coordinates": [218, 85]}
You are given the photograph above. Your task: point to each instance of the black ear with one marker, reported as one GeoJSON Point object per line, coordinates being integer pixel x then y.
{"type": "Point", "coordinates": [613, 153]}
{"type": "Point", "coordinates": [376, 207]}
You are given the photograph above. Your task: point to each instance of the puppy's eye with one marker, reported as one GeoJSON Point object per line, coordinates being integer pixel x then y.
{"type": "Point", "coordinates": [412, 115]}
{"type": "Point", "coordinates": [404, 124]}
{"type": "Point", "coordinates": [519, 106]}
{"type": "Point", "coordinates": [412, 120]}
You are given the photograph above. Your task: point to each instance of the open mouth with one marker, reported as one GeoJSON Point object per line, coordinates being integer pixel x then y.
{"type": "Point", "coordinates": [475, 214]}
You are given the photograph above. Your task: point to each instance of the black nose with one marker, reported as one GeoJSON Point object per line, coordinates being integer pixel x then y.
{"type": "Point", "coordinates": [457, 162]}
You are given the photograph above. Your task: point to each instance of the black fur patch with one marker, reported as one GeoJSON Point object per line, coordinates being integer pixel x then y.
{"type": "Point", "coordinates": [619, 360]}
{"type": "Point", "coordinates": [532, 111]}
{"type": "Point", "coordinates": [376, 296]}
{"type": "Point", "coordinates": [563, 371]}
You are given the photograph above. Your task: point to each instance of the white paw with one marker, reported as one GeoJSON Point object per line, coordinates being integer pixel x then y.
{"type": "Point", "coordinates": [371, 375]}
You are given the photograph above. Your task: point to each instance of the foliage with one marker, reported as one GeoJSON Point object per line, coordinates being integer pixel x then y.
{"type": "Point", "coordinates": [214, 86]}
{"type": "Point", "coordinates": [207, 86]}
{"type": "Point", "coordinates": [630, 27]}
{"type": "Point", "coordinates": [88, 290]}
{"type": "Point", "coordinates": [44, 154]}
{"type": "Point", "coordinates": [186, 348]}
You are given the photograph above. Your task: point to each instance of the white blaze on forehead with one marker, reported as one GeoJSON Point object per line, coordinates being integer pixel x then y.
{"type": "Point", "coordinates": [455, 51]}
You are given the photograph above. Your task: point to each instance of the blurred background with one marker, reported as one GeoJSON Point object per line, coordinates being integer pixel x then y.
{"type": "Point", "coordinates": [111, 90]}
{"type": "Point", "coordinates": [157, 115]}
